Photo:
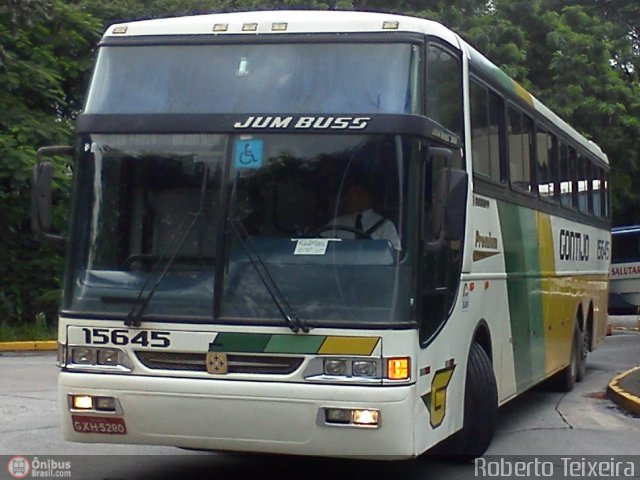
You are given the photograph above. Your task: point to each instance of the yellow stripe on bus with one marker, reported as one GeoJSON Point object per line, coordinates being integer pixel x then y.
{"type": "Point", "coordinates": [348, 345]}
{"type": "Point", "coordinates": [552, 297]}
{"type": "Point", "coordinates": [523, 94]}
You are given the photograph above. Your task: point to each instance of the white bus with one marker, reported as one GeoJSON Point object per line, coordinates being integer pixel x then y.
{"type": "Point", "coordinates": [217, 296]}
{"type": "Point", "coordinates": [624, 290]}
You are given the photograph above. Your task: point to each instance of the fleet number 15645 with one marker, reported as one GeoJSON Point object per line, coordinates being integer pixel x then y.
{"type": "Point", "coordinates": [122, 337]}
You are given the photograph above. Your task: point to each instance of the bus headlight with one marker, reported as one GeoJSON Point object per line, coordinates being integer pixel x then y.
{"type": "Point", "coordinates": [365, 368]}
{"type": "Point", "coordinates": [103, 359]}
{"type": "Point", "coordinates": [335, 367]}
{"type": "Point", "coordinates": [354, 370]}
{"type": "Point", "coordinates": [108, 356]}
{"type": "Point", "coordinates": [83, 356]}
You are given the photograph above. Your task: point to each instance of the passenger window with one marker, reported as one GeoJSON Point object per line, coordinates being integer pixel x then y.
{"type": "Point", "coordinates": [520, 134]}
{"type": "Point", "coordinates": [486, 112]}
{"type": "Point", "coordinates": [546, 163]}
{"type": "Point", "coordinates": [606, 211]}
{"type": "Point", "coordinates": [496, 132]}
{"type": "Point", "coordinates": [480, 129]}
{"type": "Point", "coordinates": [566, 177]}
{"type": "Point", "coordinates": [584, 172]}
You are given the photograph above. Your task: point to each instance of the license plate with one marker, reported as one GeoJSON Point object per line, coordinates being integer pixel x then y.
{"type": "Point", "coordinates": [106, 425]}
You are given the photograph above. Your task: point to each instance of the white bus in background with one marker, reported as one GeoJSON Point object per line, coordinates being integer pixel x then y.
{"type": "Point", "coordinates": [211, 300]}
{"type": "Point", "coordinates": [624, 286]}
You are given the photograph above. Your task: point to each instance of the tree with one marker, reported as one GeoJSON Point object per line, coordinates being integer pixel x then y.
{"type": "Point", "coordinates": [580, 64]}
{"type": "Point", "coordinates": [44, 54]}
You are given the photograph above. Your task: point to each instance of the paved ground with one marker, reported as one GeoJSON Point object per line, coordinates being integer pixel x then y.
{"type": "Point", "coordinates": [624, 389]}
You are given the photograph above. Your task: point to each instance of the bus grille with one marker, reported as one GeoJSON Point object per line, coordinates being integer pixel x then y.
{"type": "Point", "coordinates": [238, 363]}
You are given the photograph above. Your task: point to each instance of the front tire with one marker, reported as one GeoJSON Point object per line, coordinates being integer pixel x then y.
{"type": "Point", "coordinates": [480, 410]}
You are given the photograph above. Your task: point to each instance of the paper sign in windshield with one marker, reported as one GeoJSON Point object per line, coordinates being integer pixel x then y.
{"type": "Point", "coordinates": [312, 246]}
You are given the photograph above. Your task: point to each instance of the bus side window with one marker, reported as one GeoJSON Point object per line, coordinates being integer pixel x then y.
{"type": "Point", "coordinates": [605, 195]}
{"type": "Point", "coordinates": [520, 128]}
{"type": "Point", "coordinates": [596, 191]}
{"type": "Point", "coordinates": [480, 136]}
{"type": "Point", "coordinates": [486, 108]}
{"type": "Point", "coordinates": [566, 177]}
{"type": "Point", "coordinates": [545, 163]}
{"type": "Point", "coordinates": [599, 194]}
{"type": "Point", "coordinates": [585, 204]}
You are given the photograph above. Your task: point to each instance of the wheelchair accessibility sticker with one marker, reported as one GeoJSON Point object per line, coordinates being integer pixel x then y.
{"type": "Point", "coordinates": [247, 153]}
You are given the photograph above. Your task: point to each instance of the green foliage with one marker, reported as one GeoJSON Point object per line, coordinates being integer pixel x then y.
{"type": "Point", "coordinates": [581, 60]}
{"type": "Point", "coordinates": [46, 51]}
{"type": "Point", "coordinates": [39, 329]}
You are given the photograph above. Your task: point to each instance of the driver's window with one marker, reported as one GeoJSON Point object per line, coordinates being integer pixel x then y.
{"type": "Point", "coordinates": [444, 89]}
{"type": "Point", "coordinates": [367, 196]}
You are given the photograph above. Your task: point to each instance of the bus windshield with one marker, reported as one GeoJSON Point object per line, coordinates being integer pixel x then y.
{"type": "Point", "coordinates": [363, 78]}
{"type": "Point", "coordinates": [320, 213]}
{"type": "Point", "coordinates": [625, 245]}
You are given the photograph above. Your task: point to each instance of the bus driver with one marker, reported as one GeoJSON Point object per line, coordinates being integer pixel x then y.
{"type": "Point", "coordinates": [359, 216]}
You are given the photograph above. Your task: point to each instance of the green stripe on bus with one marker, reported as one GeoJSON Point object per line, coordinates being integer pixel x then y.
{"type": "Point", "coordinates": [240, 342]}
{"type": "Point", "coordinates": [294, 344]}
{"type": "Point", "coordinates": [266, 343]}
{"type": "Point", "coordinates": [520, 236]}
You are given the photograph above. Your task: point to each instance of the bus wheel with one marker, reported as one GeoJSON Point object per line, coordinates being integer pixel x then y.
{"type": "Point", "coordinates": [480, 410]}
{"type": "Point", "coordinates": [583, 349]}
{"type": "Point", "coordinates": [565, 379]}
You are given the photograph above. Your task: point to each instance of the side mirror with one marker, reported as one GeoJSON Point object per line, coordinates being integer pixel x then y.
{"type": "Point", "coordinates": [41, 193]}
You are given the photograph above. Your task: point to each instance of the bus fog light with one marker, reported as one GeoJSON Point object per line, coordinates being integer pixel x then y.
{"type": "Point", "coordinates": [105, 404]}
{"type": "Point", "coordinates": [108, 356]}
{"type": "Point", "coordinates": [81, 402]}
{"type": "Point", "coordinates": [83, 356]}
{"type": "Point", "coordinates": [366, 417]}
{"type": "Point", "coordinates": [335, 367]}
{"type": "Point", "coordinates": [337, 415]}
{"type": "Point", "coordinates": [364, 368]}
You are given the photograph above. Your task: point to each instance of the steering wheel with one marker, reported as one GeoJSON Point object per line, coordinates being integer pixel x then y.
{"type": "Point", "coordinates": [145, 258]}
{"type": "Point", "coordinates": [345, 228]}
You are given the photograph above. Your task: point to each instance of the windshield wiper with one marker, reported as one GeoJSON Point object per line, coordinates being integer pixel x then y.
{"type": "Point", "coordinates": [134, 318]}
{"type": "Point", "coordinates": [290, 317]}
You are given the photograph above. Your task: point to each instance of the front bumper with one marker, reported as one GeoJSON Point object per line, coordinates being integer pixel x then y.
{"type": "Point", "coordinates": [230, 415]}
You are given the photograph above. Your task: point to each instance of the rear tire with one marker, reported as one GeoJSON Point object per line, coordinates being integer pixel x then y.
{"type": "Point", "coordinates": [480, 410]}
{"type": "Point", "coordinates": [565, 379]}
{"type": "Point", "coordinates": [582, 355]}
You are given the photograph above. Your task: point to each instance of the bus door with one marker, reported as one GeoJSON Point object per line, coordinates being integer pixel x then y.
{"type": "Point", "coordinates": [444, 194]}
{"type": "Point", "coordinates": [443, 190]}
